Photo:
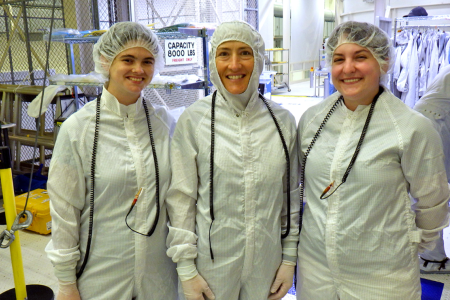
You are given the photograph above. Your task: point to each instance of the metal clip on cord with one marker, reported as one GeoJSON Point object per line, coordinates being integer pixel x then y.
{"type": "Point", "coordinates": [7, 236]}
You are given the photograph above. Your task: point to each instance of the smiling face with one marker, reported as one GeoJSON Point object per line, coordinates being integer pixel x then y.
{"type": "Point", "coordinates": [130, 72]}
{"type": "Point", "coordinates": [356, 74]}
{"type": "Point", "coordinates": [234, 62]}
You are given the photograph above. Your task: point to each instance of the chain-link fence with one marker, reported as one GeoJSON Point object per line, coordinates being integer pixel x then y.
{"type": "Point", "coordinates": [23, 24]}
{"type": "Point", "coordinates": [251, 13]}
{"type": "Point", "coordinates": [23, 50]}
{"type": "Point", "coordinates": [24, 56]}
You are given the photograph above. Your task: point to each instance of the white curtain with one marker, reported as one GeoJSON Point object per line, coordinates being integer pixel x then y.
{"type": "Point", "coordinates": [265, 13]}
{"type": "Point", "coordinates": [307, 19]}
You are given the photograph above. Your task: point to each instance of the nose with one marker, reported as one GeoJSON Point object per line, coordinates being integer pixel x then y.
{"type": "Point", "coordinates": [349, 67]}
{"type": "Point", "coordinates": [137, 68]}
{"type": "Point", "coordinates": [235, 62]}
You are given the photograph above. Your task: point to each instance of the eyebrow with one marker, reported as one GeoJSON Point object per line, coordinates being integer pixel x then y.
{"type": "Point", "coordinates": [240, 48]}
{"type": "Point", "coordinates": [134, 57]}
{"type": "Point", "coordinates": [357, 52]}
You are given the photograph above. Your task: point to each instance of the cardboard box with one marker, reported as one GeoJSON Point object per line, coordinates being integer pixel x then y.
{"type": "Point", "coordinates": [39, 206]}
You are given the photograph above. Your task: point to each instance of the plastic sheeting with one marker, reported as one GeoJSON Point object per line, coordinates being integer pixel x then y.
{"type": "Point", "coordinates": [307, 30]}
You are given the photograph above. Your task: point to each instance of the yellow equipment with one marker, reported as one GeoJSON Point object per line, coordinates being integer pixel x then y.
{"type": "Point", "coordinates": [10, 236]}
{"type": "Point", "coordinates": [10, 214]}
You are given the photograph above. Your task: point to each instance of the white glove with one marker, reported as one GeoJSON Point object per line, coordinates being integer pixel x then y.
{"type": "Point", "coordinates": [283, 281]}
{"type": "Point", "coordinates": [428, 241]}
{"type": "Point", "coordinates": [426, 246]}
{"type": "Point", "coordinates": [195, 288]}
{"type": "Point", "coordinates": [68, 291]}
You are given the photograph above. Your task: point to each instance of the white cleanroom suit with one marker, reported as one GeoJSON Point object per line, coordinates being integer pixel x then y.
{"type": "Point", "coordinates": [122, 264]}
{"type": "Point", "coordinates": [249, 185]}
{"type": "Point", "coordinates": [435, 105]}
{"type": "Point", "coordinates": [362, 241]}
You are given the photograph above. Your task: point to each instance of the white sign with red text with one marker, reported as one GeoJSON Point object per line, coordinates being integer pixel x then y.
{"type": "Point", "coordinates": [179, 52]}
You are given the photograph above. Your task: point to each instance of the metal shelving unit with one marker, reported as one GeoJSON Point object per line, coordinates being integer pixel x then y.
{"type": "Point", "coordinates": [168, 86]}
{"type": "Point", "coordinates": [183, 33]}
{"type": "Point", "coordinates": [271, 64]}
{"type": "Point", "coordinates": [71, 41]}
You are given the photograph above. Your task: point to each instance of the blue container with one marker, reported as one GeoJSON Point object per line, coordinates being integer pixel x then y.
{"type": "Point", "coordinates": [39, 181]}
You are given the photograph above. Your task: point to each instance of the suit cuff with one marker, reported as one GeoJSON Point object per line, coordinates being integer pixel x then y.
{"type": "Point", "coordinates": [186, 269]}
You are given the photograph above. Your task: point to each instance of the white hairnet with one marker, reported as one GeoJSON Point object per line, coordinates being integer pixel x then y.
{"type": "Point", "coordinates": [122, 36]}
{"type": "Point", "coordinates": [241, 32]}
{"type": "Point", "coordinates": [365, 35]}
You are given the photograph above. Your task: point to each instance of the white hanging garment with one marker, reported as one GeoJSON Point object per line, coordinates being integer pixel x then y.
{"type": "Point", "coordinates": [397, 65]}
{"type": "Point", "coordinates": [446, 60]}
{"type": "Point", "coordinates": [402, 83]}
{"type": "Point", "coordinates": [434, 60]}
{"type": "Point", "coordinates": [413, 74]}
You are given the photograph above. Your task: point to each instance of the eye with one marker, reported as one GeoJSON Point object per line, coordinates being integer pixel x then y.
{"type": "Point", "coordinates": [361, 57]}
{"type": "Point", "coordinates": [222, 53]}
{"type": "Point", "coordinates": [149, 62]}
{"type": "Point", "coordinates": [337, 60]}
{"type": "Point", "coordinates": [128, 60]}
{"type": "Point", "coordinates": [246, 54]}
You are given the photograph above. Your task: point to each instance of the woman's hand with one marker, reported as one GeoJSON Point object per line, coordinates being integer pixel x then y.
{"type": "Point", "coordinates": [283, 281]}
{"type": "Point", "coordinates": [195, 288]}
{"type": "Point", "coordinates": [68, 291]}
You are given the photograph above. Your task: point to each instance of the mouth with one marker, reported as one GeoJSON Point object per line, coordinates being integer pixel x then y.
{"type": "Point", "coordinates": [235, 76]}
{"type": "Point", "coordinates": [136, 79]}
{"type": "Point", "coordinates": [351, 80]}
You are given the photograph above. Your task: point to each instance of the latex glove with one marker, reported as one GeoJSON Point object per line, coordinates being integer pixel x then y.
{"type": "Point", "coordinates": [68, 291]}
{"type": "Point", "coordinates": [195, 288]}
{"type": "Point", "coordinates": [283, 282]}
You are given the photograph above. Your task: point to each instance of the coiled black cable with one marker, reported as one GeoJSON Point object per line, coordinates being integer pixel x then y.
{"type": "Point", "coordinates": [352, 161]}
{"type": "Point", "coordinates": [92, 196]}
{"type": "Point", "coordinates": [288, 167]}
{"type": "Point", "coordinates": [361, 139]}
{"type": "Point", "coordinates": [305, 157]}
{"type": "Point", "coordinates": [358, 146]}
{"type": "Point", "coordinates": [155, 159]}
{"type": "Point", "coordinates": [211, 172]}
{"type": "Point", "coordinates": [211, 169]}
